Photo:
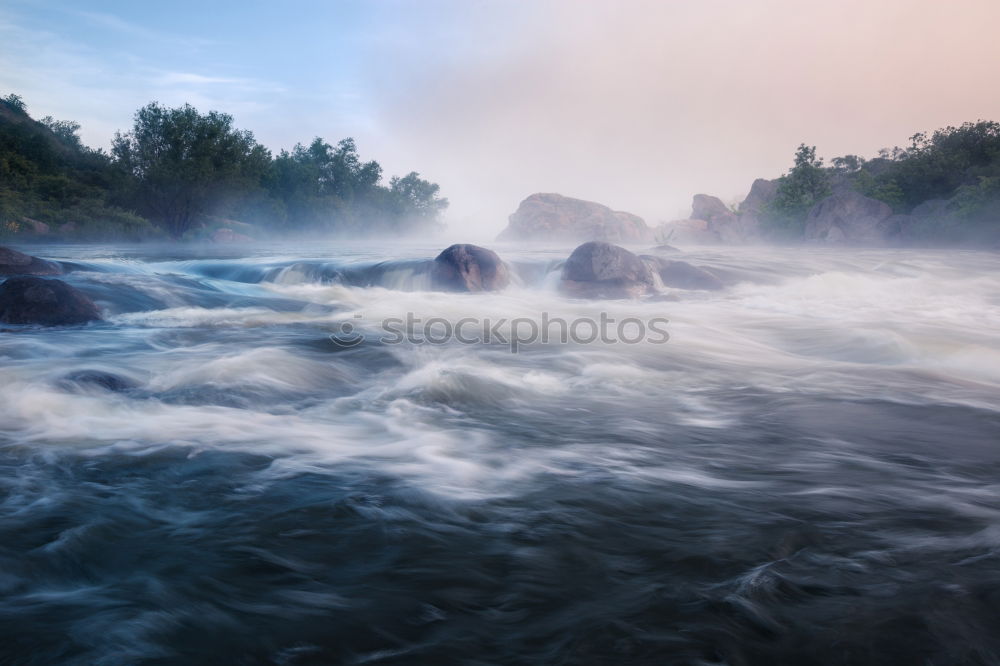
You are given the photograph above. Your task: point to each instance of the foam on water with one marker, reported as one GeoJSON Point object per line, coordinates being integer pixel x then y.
{"type": "Point", "coordinates": [809, 464]}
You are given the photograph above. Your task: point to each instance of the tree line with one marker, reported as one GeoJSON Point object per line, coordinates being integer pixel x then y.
{"type": "Point", "coordinates": [178, 173]}
{"type": "Point", "coordinates": [958, 166]}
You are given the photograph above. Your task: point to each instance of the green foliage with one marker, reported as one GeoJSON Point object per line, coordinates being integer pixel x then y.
{"type": "Point", "coordinates": [416, 197]}
{"type": "Point", "coordinates": [48, 179]}
{"type": "Point", "coordinates": [65, 131]}
{"type": "Point", "coordinates": [190, 173]}
{"type": "Point", "coordinates": [973, 201]}
{"type": "Point", "coordinates": [960, 164]}
{"type": "Point", "coordinates": [935, 166]}
{"type": "Point", "coordinates": [180, 164]}
{"type": "Point", "coordinates": [883, 189]}
{"type": "Point", "coordinates": [847, 164]}
{"type": "Point", "coordinates": [329, 188]}
{"type": "Point", "coordinates": [15, 102]}
{"type": "Point", "coordinates": [805, 184]}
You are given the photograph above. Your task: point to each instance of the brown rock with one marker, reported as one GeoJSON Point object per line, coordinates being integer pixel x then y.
{"type": "Point", "coordinates": [551, 217]}
{"type": "Point", "coordinates": [705, 207]}
{"type": "Point", "coordinates": [602, 270]}
{"type": "Point", "coordinates": [33, 300]}
{"type": "Point", "coordinates": [13, 262]}
{"type": "Point", "coordinates": [472, 268]}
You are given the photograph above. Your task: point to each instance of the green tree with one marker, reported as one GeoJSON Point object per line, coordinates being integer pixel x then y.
{"type": "Point", "coordinates": [15, 102]}
{"type": "Point", "coordinates": [805, 184]}
{"type": "Point", "coordinates": [416, 197]}
{"type": "Point", "coordinates": [180, 164]}
{"type": "Point", "coordinates": [65, 130]}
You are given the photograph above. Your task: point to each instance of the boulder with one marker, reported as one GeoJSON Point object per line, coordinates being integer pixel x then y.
{"type": "Point", "coordinates": [762, 193]}
{"type": "Point", "coordinates": [705, 207]}
{"type": "Point", "coordinates": [933, 208]}
{"type": "Point", "coordinates": [682, 275]}
{"type": "Point", "coordinates": [602, 270]}
{"type": "Point", "coordinates": [752, 209]}
{"type": "Point", "coordinates": [33, 300]}
{"type": "Point", "coordinates": [848, 218]}
{"type": "Point", "coordinates": [723, 224]}
{"type": "Point", "coordinates": [469, 268]}
{"type": "Point", "coordinates": [38, 228]}
{"type": "Point", "coordinates": [13, 262]}
{"type": "Point", "coordinates": [553, 217]}
{"type": "Point", "coordinates": [226, 235]}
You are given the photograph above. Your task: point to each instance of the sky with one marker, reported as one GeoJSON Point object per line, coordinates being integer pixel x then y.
{"type": "Point", "coordinates": [637, 104]}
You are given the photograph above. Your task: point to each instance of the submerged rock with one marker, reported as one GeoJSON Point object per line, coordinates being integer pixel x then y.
{"type": "Point", "coordinates": [556, 217]}
{"type": "Point", "coordinates": [108, 381]}
{"type": "Point", "coordinates": [682, 275]}
{"type": "Point", "coordinates": [33, 300]}
{"type": "Point", "coordinates": [13, 262]}
{"type": "Point", "coordinates": [603, 270]}
{"type": "Point", "coordinates": [464, 267]}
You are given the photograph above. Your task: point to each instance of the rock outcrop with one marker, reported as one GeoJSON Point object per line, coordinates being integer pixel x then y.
{"type": "Point", "coordinates": [682, 275]}
{"type": "Point", "coordinates": [34, 300]}
{"type": "Point", "coordinates": [848, 218]}
{"type": "Point", "coordinates": [761, 194]}
{"type": "Point", "coordinates": [712, 222]}
{"type": "Point", "coordinates": [602, 270]}
{"type": "Point", "coordinates": [752, 208]}
{"type": "Point", "coordinates": [723, 223]}
{"type": "Point", "coordinates": [13, 262]}
{"type": "Point", "coordinates": [472, 268]}
{"type": "Point", "coordinates": [553, 217]}
{"type": "Point", "coordinates": [227, 235]}
{"type": "Point", "coordinates": [706, 207]}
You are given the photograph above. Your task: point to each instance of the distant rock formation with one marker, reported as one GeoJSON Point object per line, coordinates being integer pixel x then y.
{"type": "Point", "coordinates": [553, 217]}
{"type": "Point", "coordinates": [13, 262]}
{"type": "Point", "coordinates": [753, 207]}
{"type": "Point", "coordinates": [602, 270]}
{"type": "Point", "coordinates": [469, 268]}
{"type": "Point", "coordinates": [34, 300]}
{"type": "Point", "coordinates": [761, 194]}
{"type": "Point", "coordinates": [723, 223]}
{"type": "Point", "coordinates": [849, 218]}
{"type": "Point", "coordinates": [706, 207]}
{"type": "Point", "coordinates": [712, 222]}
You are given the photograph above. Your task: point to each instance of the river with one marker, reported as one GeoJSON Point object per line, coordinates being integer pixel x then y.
{"type": "Point", "coordinates": [241, 464]}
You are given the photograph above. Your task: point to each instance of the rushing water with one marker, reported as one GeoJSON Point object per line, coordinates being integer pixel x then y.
{"type": "Point", "coordinates": [808, 471]}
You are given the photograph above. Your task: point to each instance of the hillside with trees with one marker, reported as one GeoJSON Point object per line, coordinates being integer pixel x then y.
{"type": "Point", "coordinates": [178, 173]}
{"type": "Point", "coordinates": [942, 188]}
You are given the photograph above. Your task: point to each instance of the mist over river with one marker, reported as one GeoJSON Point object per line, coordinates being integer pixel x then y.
{"type": "Point", "coordinates": [806, 472]}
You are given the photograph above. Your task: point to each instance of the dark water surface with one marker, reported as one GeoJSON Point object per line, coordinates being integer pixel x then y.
{"type": "Point", "coordinates": [808, 472]}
